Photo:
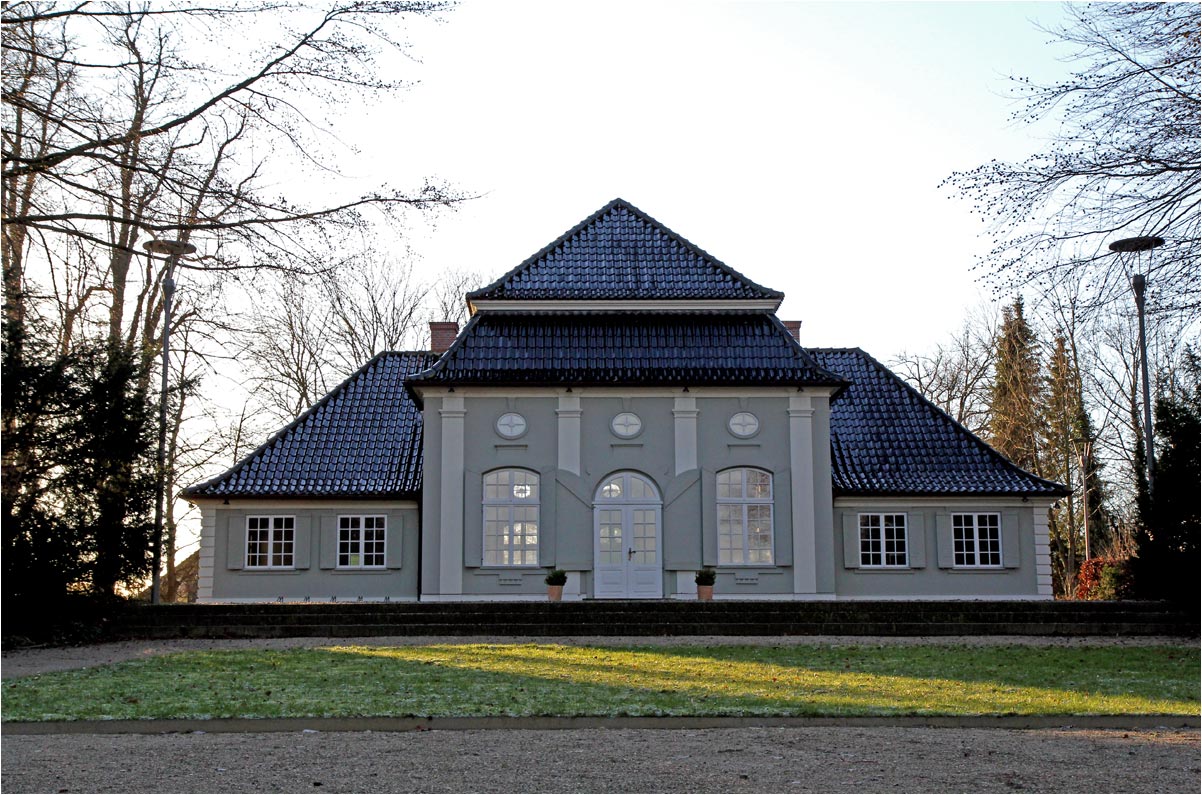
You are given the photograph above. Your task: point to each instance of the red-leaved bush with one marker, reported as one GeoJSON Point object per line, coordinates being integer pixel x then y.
{"type": "Point", "coordinates": [1104, 578]}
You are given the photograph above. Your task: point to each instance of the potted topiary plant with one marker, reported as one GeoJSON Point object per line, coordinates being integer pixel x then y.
{"type": "Point", "coordinates": [705, 583]}
{"type": "Point", "coordinates": [555, 580]}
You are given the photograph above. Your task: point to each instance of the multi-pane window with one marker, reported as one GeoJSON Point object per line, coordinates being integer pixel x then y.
{"type": "Point", "coordinates": [977, 539]}
{"type": "Point", "coordinates": [361, 542]}
{"type": "Point", "coordinates": [511, 518]}
{"type": "Point", "coordinates": [270, 542]}
{"type": "Point", "coordinates": [883, 539]}
{"type": "Point", "coordinates": [744, 517]}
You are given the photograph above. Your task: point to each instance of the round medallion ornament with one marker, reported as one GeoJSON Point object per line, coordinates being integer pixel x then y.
{"type": "Point", "coordinates": [626, 425]}
{"type": "Point", "coordinates": [511, 425]}
{"type": "Point", "coordinates": [744, 424]}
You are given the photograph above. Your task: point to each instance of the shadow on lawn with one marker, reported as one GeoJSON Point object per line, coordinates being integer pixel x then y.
{"type": "Point", "coordinates": [552, 679]}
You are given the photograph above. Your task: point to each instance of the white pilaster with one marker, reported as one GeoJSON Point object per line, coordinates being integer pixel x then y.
{"type": "Point", "coordinates": [568, 413]}
{"type": "Point", "coordinates": [450, 558]}
{"type": "Point", "coordinates": [208, 552]}
{"type": "Point", "coordinates": [801, 465]}
{"type": "Point", "coordinates": [684, 413]}
{"type": "Point", "coordinates": [1043, 552]}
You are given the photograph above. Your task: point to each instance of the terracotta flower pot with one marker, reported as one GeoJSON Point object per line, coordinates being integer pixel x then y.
{"type": "Point", "coordinates": [705, 592]}
{"type": "Point", "coordinates": [555, 592]}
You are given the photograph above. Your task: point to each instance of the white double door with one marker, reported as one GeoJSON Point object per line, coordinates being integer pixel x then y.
{"type": "Point", "coordinates": [627, 562]}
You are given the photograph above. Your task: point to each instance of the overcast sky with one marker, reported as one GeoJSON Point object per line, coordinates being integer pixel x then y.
{"type": "Point", "coordinates": [802, 143]}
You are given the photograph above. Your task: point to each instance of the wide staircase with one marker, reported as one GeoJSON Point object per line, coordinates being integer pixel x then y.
{"type": "Point", "coordinates": [648, 618]}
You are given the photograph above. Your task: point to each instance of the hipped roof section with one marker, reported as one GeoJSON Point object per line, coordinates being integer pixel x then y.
{"type": "Point", "coordinates": [887, 439]}
{"type": "Point", "coordinates": [364, 439]}
{"type": "Point", "coordinates": [626, 350]}
{"type": "Point", "coordinates": [621, 253]}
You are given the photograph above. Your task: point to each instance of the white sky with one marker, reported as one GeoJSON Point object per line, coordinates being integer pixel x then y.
{"type": "Point", "coordinates": [800, 143]}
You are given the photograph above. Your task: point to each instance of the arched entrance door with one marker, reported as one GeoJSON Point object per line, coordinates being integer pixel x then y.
{"type": "Point", "coordinates": [628, 563]}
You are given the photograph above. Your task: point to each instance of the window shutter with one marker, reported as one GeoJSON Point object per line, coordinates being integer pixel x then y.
{"type": "Point", "coordinates": [1011, 548]}
{"type": "Point", "coordinates": [782, 526]}
{"type": "Point", "coordinates": [709, 518]}
{"type": "Point", "coordinates": [327, 553]}
{"type": "Point", "coordinates": [546, 518]}
{"type": "Point", "coordinates": [916, 540]}
{"type": "Point", "coordinates": [235, 557]}
{"type": "Point", "coordinates": [943, 540]}
{"type": "Point", "coordinates": [394, 538]}
{"type": "Point", "coordinates": [302, 541]}
{"type": "Point", "coordinates": [851, 540]}
{"type": "Point", "coordinates": [473, 537]}
{"type": "Point", "coordinates": [473, 528]}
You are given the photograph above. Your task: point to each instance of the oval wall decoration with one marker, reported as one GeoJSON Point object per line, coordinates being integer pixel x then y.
{"type": "Point", "coordinates": [627, 425]}
{"type": "Point", "coordinates": [511, 425]}
{"type": "Point", "coordinates": [744, 424]}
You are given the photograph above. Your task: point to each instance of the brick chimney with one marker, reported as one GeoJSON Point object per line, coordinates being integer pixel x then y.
{"type": "Point", "coordinates": [442, 334]}
{"type": "Point", "coordinates": [794, 327]}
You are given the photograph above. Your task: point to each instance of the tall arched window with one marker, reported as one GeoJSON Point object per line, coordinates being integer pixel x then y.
{"type": "Point", "coordinates": [744, 517]}
{"type": "Point", "coordinates": [511, 518]}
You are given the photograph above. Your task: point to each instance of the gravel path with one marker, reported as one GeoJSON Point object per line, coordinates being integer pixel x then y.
{"type": "Point", "coordinates": [25, 662]}
{"type": "Point", "coordinates": [714, 760]}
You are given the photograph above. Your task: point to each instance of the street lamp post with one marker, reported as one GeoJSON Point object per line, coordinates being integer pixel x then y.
{"type": "Point", "coordinates": [1136, 245]}
{"type": "Point", "coordinates": [173, 250]}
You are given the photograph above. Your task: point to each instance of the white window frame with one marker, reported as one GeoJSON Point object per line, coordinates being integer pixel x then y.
{"type": "Point", "coordinates": [507, 505]}
{"type": "Point", "coordinates": [975, 528]}
{"type": "Point", "coordinates": [360, 544]}
{"type": "Point", "coordinates": [744, 502]}
{"type": "Point", "coordinates": [866, 555]}
{"type": "Point", "coordinates": [272, 542]}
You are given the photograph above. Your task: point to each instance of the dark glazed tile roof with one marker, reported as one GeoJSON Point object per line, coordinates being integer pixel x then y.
{"type": "Point", "coordinates": [364, 439]}
{"type": "Point", "coordinates": [887, 439]}
{"type": "Point", "coordinates": [626, 350]}
{"type": "Point", "coordinates": [621, 253]}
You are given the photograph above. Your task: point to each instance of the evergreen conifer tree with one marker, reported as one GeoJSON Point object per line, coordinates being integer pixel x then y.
{"type": "Point", "coordinates": [1018, 391]}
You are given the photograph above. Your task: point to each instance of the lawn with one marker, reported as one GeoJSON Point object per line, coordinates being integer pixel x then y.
{"type": "Point", "coordinates": [552, 679]}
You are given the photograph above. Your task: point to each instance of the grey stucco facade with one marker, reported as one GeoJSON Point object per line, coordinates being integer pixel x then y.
{"type": "Point", "coordinates": [683, 443]}
{"type": "Point", "coordinates": [314, 573]}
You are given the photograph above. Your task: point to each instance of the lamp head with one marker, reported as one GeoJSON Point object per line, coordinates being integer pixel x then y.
{"type": "Point", "coordinates": [169, 248]}
{"type": "Point", "coordinates": [1133, 244]}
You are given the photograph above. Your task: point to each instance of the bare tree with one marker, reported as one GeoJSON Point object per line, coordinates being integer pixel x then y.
{"type": "Point", "coordinates": [308, 333]}
{"type": "Point", "coordinates": [447, 301]}
{"type": "Point", "coordinates": [958, 374]}
{"type": "Point", "coordinates": [1123, 163]}
{"type": "Point", "coordinates": [114, 132]}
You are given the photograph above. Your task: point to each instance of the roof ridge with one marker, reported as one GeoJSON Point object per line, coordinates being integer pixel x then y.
{"type": "Point", "coordinates": [940, 413]}
{"type": "Point", "coordinates": [300, 420]}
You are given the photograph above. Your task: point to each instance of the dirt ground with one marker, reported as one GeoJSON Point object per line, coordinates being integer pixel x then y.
{"type": "Point", "coordinates": [807, 759]}
{"type": "Point", "coordinates": [613, 760]}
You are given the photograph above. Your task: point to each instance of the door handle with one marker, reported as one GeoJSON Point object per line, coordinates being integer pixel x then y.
{"type": "Point", "coordinates": [630, 553]}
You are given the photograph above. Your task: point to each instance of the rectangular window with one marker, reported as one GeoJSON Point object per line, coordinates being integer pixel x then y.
{"type": "Point", "coordinates": [977, 539]}
{"type": "Point", "coordinates": [270, 542]}
{"type": "Point", "coordinates": [511, 535]}
{"type": "Point", "coordinates": [361, 542]}
{"type": "Point", "coordinates": [744, 517]}
{"type": "Point", "coordinates": [883, 540]}
{"type": "Point", "coordinates": [511, 518]}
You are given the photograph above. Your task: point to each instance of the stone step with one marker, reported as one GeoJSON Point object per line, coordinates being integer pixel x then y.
{"type": "Point", "coordinates": [544, 619]}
